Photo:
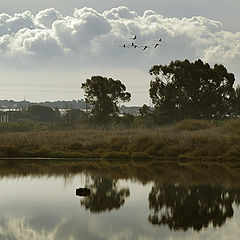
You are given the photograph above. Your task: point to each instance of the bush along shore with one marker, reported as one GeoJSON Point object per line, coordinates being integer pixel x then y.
{"type": "Point", "coordinates": [185, 140]}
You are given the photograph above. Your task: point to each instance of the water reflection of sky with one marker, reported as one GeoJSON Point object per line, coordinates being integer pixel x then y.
{"type": "Point", "coordinates": [47, 209]}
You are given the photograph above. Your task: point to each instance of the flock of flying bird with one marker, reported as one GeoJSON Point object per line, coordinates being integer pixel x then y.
{"type": "Point", "coordinates": [133, 45]}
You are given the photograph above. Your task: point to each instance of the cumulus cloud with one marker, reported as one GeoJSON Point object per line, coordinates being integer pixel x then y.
{"type": "Point", "coordinates": [120, 13]}
{"type": "Point", "coordinates": [89, 35]}
{"type": "Point", "coordinates": [47, 17]}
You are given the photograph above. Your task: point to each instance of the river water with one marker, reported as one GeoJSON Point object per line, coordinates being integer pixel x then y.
{"type": "Point", "coordinates": [165, 205]}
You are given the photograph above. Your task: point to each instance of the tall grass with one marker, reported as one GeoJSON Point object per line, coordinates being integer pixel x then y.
{"type": "Point", "coordinates": [186, 140]}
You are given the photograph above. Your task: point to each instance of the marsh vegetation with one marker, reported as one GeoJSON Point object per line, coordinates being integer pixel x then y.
{"type": "Point", "coordinates": [194, 117]}
{"type": "Point", "coordinates": [184, 140]}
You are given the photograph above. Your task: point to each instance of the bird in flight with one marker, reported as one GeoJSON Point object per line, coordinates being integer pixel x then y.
{"type": "Point", "coordinates": [144, 48]}
{"type": "Point", "coordinates": [159, 40]}
{"type": "Point", "coordinates": [133, 45]}
{"type": "Point", "coordinates": [134, 38]}
{"type": "Point", "coordinates": [124, 46]}
{"type": "Point", "coordinates": [156, 45]}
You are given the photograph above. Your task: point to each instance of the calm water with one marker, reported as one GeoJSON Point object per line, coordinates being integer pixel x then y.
{"type": "Point", "coordinates": [45, 207]}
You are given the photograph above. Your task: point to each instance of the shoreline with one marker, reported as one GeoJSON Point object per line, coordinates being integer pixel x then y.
{"type": "Point", "coordinates": [190, 173]}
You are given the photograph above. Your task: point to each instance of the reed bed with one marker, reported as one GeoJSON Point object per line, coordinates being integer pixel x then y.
{"type": "Point", "coordinates": [186, 140]}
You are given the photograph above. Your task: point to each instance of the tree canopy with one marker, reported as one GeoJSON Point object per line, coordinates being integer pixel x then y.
{"type": "Point", "coordinates": [104, 95]}
{"type": "Point", "coordinates": [42, 113]}
{"type": "Point", "coordinates": [191, 90]}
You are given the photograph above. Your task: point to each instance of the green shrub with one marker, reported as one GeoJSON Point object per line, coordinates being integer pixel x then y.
{"type": "Point", "coordinates": [193, 125]}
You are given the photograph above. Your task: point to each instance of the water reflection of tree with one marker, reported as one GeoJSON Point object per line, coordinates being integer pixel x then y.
{"type": "Point", "coordinates": [182, 208]}
{"type": "Point", "coordinates": [105, 195]}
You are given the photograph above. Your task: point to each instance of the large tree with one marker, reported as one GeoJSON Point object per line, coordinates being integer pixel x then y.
{"type": "Point", "coordinates": [104, 95]}
{"type": "Point", "coordinates": [191, 90]}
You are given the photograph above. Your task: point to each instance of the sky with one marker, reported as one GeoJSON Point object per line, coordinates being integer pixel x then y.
{"type": "Point", "coordinates": [48, 48]}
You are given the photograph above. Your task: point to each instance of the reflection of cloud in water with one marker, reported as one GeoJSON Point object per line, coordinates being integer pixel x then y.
{"type": "Point", "coordinates": [123, 226]}
{"type": "Point", "coordinates": [20, 229]}
{"type": "Point", "coordinates": [61, 217]}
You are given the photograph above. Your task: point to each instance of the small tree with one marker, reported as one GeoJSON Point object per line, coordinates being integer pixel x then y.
{"type": "Point", "coordinates": [104, 94]}
{"type": "Point", "coordinates": [42, 113]}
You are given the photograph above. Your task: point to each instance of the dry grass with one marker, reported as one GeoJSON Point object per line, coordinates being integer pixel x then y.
{"type": "Point", "coordinates": [204, 142]}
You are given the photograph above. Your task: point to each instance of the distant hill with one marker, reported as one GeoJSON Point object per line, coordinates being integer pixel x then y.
{"type": "Point", "coordinates": [74, 104]}
{"type": "Point", "coordinates": [10, 104]}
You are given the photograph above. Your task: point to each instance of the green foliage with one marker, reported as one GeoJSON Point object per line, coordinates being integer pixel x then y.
{"type": "Point", "coordinates": [145, 118]}
{"type": "Point", "coordinates": [235, 107]}
{"type": "Point", "coordinates": [191, 90]}
{"type": "Point", "coordinates": [19, 115]}
{"type": "Point", "coordinates": [43, 114]}
{"type": "Point", "coordinates": [104, 94]}
{"type": "Point", "coordinates": [74, 116]}
{"type": "Point", "coordinates": [144, 110]}
{"type": "Point", "coordinates": [193, 125]}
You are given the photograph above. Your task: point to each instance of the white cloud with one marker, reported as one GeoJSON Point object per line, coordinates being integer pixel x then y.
{"type": "Point", "coordinates": [120, 13]}
{"type": "Point", "coordinates": [91, 37]}
{"type": "Point", "coordinates": [20, 21]}
{"type": "Point", "coordinates": [47, 17]}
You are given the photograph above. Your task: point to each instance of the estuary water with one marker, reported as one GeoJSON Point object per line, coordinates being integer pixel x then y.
{"type": "Point", "coordinates": [125, 203]}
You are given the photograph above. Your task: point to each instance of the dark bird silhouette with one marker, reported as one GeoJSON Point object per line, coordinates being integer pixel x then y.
{"type": "Point", "coordinates": [156, 45]}
{"type": "Point", "coordinates": [134, 38]}
{"type": "Point", "coordinates": [133, 45]}
{"type": "Point", "coordinates": [124, 46]}
{"type": "Point", "coordinates": [144, 48]}
{"type": "Point", "coordinates": [160, 40]}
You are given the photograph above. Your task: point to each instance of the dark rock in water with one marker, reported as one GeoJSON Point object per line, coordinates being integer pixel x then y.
{"type": "Point", "coordinates": [82, 192]}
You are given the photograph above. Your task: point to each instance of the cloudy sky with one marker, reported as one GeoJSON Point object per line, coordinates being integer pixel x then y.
{"type": "Point", "coordinates": [49, 47]}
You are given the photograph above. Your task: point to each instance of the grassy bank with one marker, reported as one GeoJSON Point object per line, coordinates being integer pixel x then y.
{"type": "Point", "coordinates": [186, 140]}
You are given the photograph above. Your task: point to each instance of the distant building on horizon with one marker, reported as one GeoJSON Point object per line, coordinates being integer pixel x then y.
{"type": "Point", "coordinates": [3, 117]}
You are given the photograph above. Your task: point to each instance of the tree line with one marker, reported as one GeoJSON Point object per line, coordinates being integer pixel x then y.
{"type": "Point", "coordinates": [180, 90]}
